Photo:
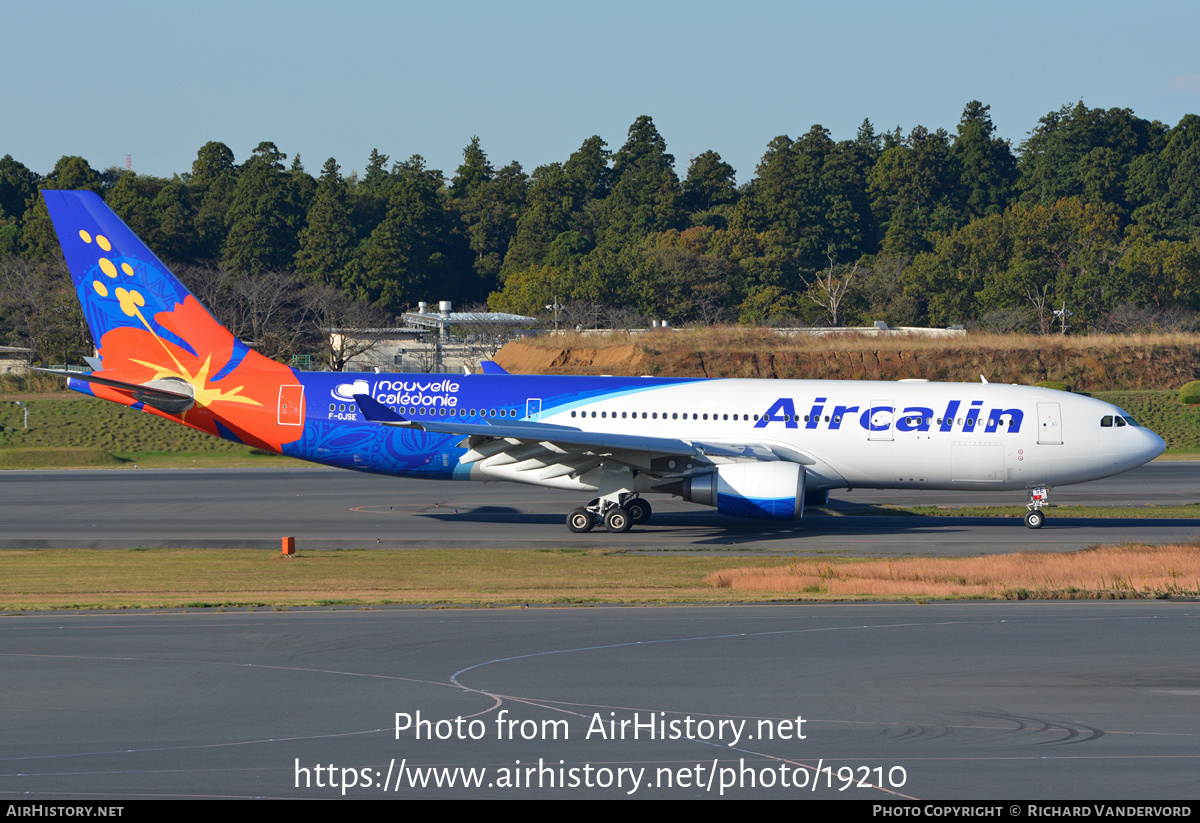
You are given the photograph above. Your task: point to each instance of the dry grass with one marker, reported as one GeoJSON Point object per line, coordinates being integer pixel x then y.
{"type": "Point", "coordinates": [712, 338]}
{"type": "Point", "coordinates": [1108, 572]}
{"type": "Point", "coordinates": [1086, 363]}
{"type": "Point", "coordinates": [182, 578]}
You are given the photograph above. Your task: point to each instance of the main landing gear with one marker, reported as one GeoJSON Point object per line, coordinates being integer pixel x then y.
{"type": "Point", "coordinates": [1034, 519]}
{"type": "Point", "coordinates": [616, 515]}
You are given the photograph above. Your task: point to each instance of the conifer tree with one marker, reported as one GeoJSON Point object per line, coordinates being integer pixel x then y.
{"type": "Point", "coordinates": [327, 241]}
{"type": "Point", "coordinates": [264, 215]}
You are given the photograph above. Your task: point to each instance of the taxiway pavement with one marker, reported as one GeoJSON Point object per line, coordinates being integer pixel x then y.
{"type": "Point", "coordinates": [1067, 700]}
{"type": "Point", "coordinates": [327, 508]}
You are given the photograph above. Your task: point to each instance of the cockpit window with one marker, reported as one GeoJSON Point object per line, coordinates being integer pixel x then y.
{"type": "Point", "coordinates": [1106, 421]}
{"type": "Point", "coordinates": [1130, 421]}
{"type": "Point", "coordinates": [1120, 422]}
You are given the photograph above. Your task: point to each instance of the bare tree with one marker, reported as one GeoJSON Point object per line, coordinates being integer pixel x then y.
{"type": "Point", "coordinates": [426, 353]}
{"type": "Point", "coordinates": [341, 328]}
{"type": "Point", "coordinates": [582, 314]}
{"type": "Point", "coordinates": [211, 284]}
{"type": "Point", "coordinates": [710, 308]}
{"type": "Point", "coordinates": [622, 318]}
{"type": "Point", "coordinates": [487, 331]}
{"type": "Point", "coordinates": [268, 310]}
{"type": "Point", "coordinates": [271, 312]}
{"type": "Point", "coordinates": [39, 310]}
{"type": "Point", "coordinates": [1128, 318]}
{"type": "Point", "coordinates": [829, 289]}
{"type": "Point", "coordinates": [1003, 321]}
{"type": "Point", "coordinates": [1039, 298]}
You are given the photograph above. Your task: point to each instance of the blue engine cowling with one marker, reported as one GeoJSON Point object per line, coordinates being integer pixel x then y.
{"type": "Point", "coordinates": [770, 491]}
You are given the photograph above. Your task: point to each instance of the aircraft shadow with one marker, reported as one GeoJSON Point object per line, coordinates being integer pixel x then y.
{"type": "Point", "coordinates": [711, 528]}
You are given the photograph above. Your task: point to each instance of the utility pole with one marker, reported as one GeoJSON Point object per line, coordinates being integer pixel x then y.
{"type": "Point", "coordinates": [1062, 315]}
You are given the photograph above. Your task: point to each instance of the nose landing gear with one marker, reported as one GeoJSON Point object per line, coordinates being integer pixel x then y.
{"type": "Point", "coordinates": [1034, 519]}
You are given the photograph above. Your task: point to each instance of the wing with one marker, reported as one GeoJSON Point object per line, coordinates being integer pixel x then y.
{"type": "Point", "coordinates": [555, 451]}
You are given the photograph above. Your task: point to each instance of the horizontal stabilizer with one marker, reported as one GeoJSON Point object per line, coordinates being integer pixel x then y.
{"type": "Point", "coordinates": [171, 400]}
{"type": "Point", "coordinates": [375, 412]}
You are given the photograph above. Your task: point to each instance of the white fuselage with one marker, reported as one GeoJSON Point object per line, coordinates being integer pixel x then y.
{"type": "Point", "coordinates": [903, 435]}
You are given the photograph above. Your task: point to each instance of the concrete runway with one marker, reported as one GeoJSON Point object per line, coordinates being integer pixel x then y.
{"type": "Point", "coordinates": [1082, 701]}
{"type": "Point", "coordinates": [328, 508]}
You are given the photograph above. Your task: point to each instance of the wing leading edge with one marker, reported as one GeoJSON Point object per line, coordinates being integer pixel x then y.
{"type": "Point", "coordinates": [573, 439]}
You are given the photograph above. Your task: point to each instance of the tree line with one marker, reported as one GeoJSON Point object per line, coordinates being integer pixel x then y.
{"type": "Point", "coordinates": [1092, 222]}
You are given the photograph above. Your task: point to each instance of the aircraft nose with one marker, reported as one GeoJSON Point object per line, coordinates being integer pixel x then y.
{"type": "Point", "coordinates": [1151, 445]}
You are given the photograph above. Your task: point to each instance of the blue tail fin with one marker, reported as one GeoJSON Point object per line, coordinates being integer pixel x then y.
{"type": "Point", "coordinates": [120, 282]}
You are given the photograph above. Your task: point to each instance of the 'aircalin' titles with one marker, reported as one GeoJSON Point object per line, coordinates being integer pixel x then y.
{"type": "Point", "coordinates": [968, 417]}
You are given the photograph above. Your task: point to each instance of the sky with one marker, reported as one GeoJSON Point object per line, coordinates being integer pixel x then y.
{"type": "Point", "coordinates": [533, 80]}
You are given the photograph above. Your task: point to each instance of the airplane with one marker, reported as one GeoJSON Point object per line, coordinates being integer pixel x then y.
{"type": "Point", "coordinates": [751, 448]}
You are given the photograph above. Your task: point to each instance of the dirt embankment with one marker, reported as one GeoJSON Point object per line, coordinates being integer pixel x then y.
{"type": "Point", "coordinates": [523, 358]}
{"type": "Point", "coordinates": [1108, 364]}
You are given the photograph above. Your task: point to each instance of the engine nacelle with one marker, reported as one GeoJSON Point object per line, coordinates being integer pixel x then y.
{"type": "Point", "coordinates": [770, 491]}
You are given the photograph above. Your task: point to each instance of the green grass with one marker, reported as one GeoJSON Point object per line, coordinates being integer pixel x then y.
{"type": "Point", "coordinates": [73, 431]}
{"type": "Point", "coordinates": [77, 421]}
{"type": "Point", "coordinates": [57, 457]}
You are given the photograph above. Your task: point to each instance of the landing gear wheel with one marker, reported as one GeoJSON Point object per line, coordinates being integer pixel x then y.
{"type": "Point", "coordinates": [580, 520]}
{"type": "Point", "coordinates": [1034, 519]}
{"type": "Point", "coordinates": [617, 520]}
{"type": "Point", "coordinates": [639, 510]}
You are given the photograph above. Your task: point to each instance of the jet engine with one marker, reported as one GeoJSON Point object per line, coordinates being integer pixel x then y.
{"type": "Point", "coordinates": [770, 491]}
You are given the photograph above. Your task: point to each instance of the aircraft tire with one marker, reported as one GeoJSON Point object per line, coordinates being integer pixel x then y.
{"type": "Point", "coordinates": [580, 520]}
{"type": "Point", "coordinates": [1034, 519]}
{"type": "Point", "coordinates": [639, 510]}
{"type": "Point", "coordinates": [617, 520]}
